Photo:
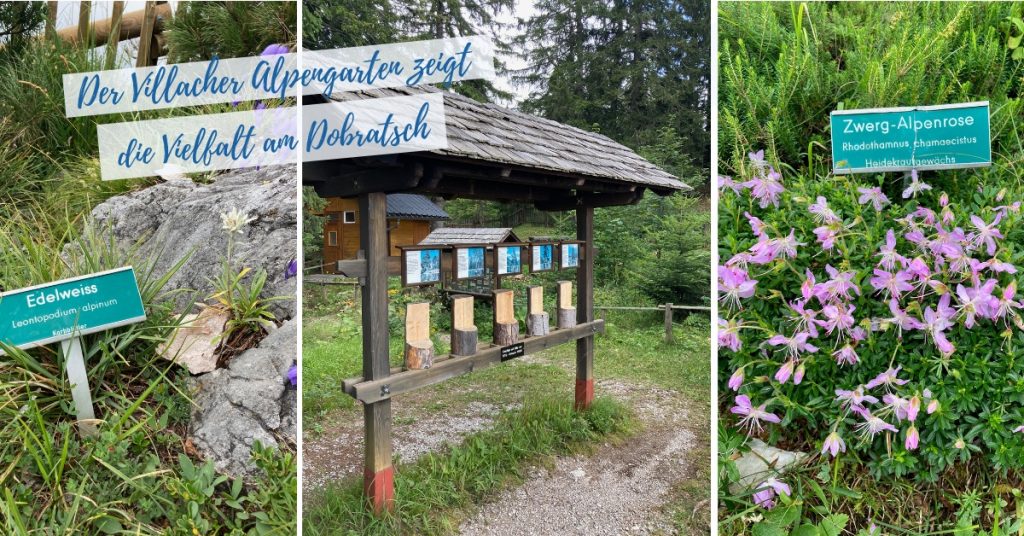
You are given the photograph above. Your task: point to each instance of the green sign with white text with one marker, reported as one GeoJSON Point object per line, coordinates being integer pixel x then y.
{"type": "Point", "coordinates": [949, 136]}
{"type": "Point", "coordinates": [70, 308]}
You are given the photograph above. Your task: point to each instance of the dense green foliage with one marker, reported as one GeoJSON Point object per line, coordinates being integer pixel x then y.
{"type": "Point", "coordinates": [785, 66]}
{"type": "Point", "coordinates": [626, 69]}
{"type": "Point", "coordinates": [201, 30]}
{"type": "Point", "coordinates": [18, 21]}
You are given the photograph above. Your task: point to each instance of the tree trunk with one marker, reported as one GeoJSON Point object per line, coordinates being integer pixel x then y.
{"type": "Point", "coordinates": [566, 317]}
{"type": "Point", "coordinates": [538, 324]}
{"type": "Point", "coordinates": [464, 341]}
{"type": "Point", "coordinates": [506, 333]}
{"type": "Point", "coordinates": [419, 354]}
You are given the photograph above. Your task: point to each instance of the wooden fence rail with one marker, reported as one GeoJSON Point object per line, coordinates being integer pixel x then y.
{"type": "Point", "coordinates": [667, 308]}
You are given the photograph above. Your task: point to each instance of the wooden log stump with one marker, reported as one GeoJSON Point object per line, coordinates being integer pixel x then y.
{"type": "Point", "coordinates": [464, 341]}
{"type": "Point", "coordinates": [419, 354]}
{"type": "Point", "coordinates": [464, 332]}
{"type": "Point", "coordinates": [419, 350]}
{"type": "Point", "coordinates": [537, 321]}
{"type": "Point", "coordinates": [538, 324]}
{"type": "Point", "coordinates": [506, 333]}
{"type": "Point", "coordinates": [506, 327]}
{"type": "Point", "coordinates": [566, 311]}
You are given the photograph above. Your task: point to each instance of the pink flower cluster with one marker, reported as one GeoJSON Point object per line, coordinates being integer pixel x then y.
{"type": "Point", "coordinates": [941, 277]}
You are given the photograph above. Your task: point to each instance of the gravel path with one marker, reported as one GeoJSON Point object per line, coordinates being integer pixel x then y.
{"type": "Point", "coordinates": [620, 489]}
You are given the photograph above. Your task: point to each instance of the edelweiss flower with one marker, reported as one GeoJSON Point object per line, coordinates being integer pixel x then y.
{"type": "Point", "coordinates": [234, 220]}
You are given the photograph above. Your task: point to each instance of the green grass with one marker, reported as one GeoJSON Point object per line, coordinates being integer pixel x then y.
{"type": "Point", "coordinates": [433, 494]}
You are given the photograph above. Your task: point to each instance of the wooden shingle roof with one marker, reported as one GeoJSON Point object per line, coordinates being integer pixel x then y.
{"type": "Point", "coordinates": [414, 207]}
{"type": "Point", "coordinates": [491, 133]}
{"type": "Point", "coordinates": [469, 235]}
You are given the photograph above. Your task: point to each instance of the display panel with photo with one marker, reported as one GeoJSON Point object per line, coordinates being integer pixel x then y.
{"type": "Point", "coordinates": [510, 259]}
{"type": "Point", "coordinates": [570, 255]}
{"type": "Point", "coordinates": [542, 257]}
{"type": "Point", "coordinates": [470, 262]}
{"type": "Point", "coordinates": [421, 266]}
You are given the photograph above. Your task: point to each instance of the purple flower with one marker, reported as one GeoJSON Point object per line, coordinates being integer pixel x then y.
{"type": "Point", "coordinates": [1006, 303]}
{"type": "Point", "coordinates": [826, 236]}
{"type": "Point", "coordinates": [765, 497]}
{"type": "Point", "coordinates": [291, 270]}
{"type": "Point", "coordinates": [894, 284]}
{"type": "Point", "coordinates": [887, 378]}
{"type": "Point", "coordinates": [757, 158]}
{"type": "Point", "coordinates": [977, 301]}
{"type": "Point", "coordinates": [735, 285]}
{"type": "Point", "coordinates": [838, 287]}
{"type": "Point", "coordinates": [937, 321]}
{"type": "Point", "coordinates": [798, 376]}
{"type": "Point", "coordinates": [766, 188]}
{"type": "Point", "coordinates": [855, 398]}
{"type": "Point", "coordinates": [846, 355]}
{"type": "Point", "coordinates": [873, 196]}
{"type": "Point", "coordinates": [915, 186]}
{"type": "Point", "coordinates": [805, 319]}
{"type": "Point", "coordinates": [764, 251]}
{"type": "Point", "coordinates": [727, 182]}
{"type": "Point", "coordinates": [913, 438]}
{"type": "Point", "coordinates": [293, 375]}
{"type": "Point", "coordinates": [902, 320]}
{"type": "Point", "coordinates": [833, 444]}
{"type": "Point", "coordinates": [786, 246]}
{"type": "Point", "coordinates": [752, 416]}
{"type": "Point", "coordinates": [756, 225]}
{"type": "Point", "coordinates": [794, 345]}
{"type": "Point", "coordinates": [785, 371]}
{"type": "Point", "coordinates": [838, 317]}
{"type": "Point", "coordinates": [728, 335]}
{"type": "Point", "coordinates": [900, 406]}
{"type": "Point", "coordinates": [274, 49]}
{"type": "Point", "coordinates": [1019, 429]}
{"type": "Point", "coordinates": [824, 214]}
{"type": "Point", "coordinates": [985, 233]}
{"type": "Point", "coordinates": [872, 426]}
{"type": "Point", "coordinates": [736, 380]}
{"type": "Point", "coordinates": [888, 252]}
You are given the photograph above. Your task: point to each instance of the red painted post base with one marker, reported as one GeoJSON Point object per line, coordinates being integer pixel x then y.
{"type": "Point", "coordinates": [584, 394]}
{"type": "Point", "coordinates": [379, 488]}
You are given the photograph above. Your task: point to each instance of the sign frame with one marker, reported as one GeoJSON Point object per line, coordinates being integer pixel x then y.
{"type": "Point", "coordinates": [580, 245]}
{"type": "Point", "coordinates": [903, 109]}
{"type": "Point", "coordinates": [523, 254]}
{"type": "Point", "coordinates": [554, 255]}
{"type": "Point", "coordinates": [405, 266]}
{"type": "Point", "coordinates": [455, 260]}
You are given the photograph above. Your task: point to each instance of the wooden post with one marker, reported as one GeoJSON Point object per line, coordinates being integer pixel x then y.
{"type": "Point", "coordinates": [419, 349]}
{"type": "Point", "coordinates": [51, 19]}
{"type": "Point", "coordinates": [115, 34]}
{"type": "Point", "coordinates": [464, 332]}
{"type": "Point", "coordinates": [566, 312]}
{"type": "Point", "coordinates": [668, 322]}
{"type": "Point", "coordinates": [506, 327]}
{"type": "Point", "coordinates": [585, 308]}
{"type": "Point", "coordinates": [84, 22]}
{"type": "Point", "coordinates": [537, 320]}
{"type": "Point", "coordinates": [146, 35]}
{"type": "Point", "coordinates": [378, 473]}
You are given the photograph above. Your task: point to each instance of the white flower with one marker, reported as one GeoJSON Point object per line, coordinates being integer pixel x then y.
{"type": "Point", "coordinates": [235, 220]}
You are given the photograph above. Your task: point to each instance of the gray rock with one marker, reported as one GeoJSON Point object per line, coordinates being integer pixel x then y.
{"type": "Point", "coordinates": [762, 463]}
{"type": "Point", "coordinates": [248, 401]}
{"type": "Point", "coordinates": [175, 218]}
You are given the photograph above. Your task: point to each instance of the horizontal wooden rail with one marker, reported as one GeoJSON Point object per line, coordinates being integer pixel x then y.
{"type": "Point", "coordinates": [402, 381]}
{"type": "Point", "coordinates": [658, 308]}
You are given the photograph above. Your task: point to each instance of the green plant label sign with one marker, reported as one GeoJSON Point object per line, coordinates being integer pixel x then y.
{"type": "Point", "coordinates": [70, 308]}
{"type": "Point", "coordinates": [948, 136]}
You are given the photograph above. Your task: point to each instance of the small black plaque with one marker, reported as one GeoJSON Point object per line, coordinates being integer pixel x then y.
{"type": "Point", "coordinates": [513, 351]}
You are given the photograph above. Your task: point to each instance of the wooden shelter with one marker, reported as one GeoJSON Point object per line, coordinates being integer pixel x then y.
{"type": "Point", "coordinates": [410, 218]}
{"type": "Point", "coordinates": [497, 154]}
{"type": "Point", "coordinates": [444, 236]}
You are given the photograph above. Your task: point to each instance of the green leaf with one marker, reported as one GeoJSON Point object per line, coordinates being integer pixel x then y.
{"type": "Point", "coordinates": [833, 525]}
{"type": "Point", "coordinates": [766, 528]}
{"type": "Point", "coordinates": [109, 525]}
{"type": "Point", "coordinates": [805, 530]}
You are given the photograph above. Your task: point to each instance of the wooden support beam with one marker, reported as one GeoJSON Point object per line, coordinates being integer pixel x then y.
{"type": "Point", "coordinates": [584, 199]}
{"type": "Point", "coordinates": [447, 367]}
{"type": "Point", "coordinates": [146, 36]}
{"type": "Point", "coordinates": [103, 30]}
{"type": "Point", "coordinates": [84, 21]}
{"type": "Point", "coordinates": [115, 34]}
{"type": "Point", "coordinates": [351, 268]}
{"type": "Point", "coordinates": [51, 20]}
{"type": "Point", "coordinates": [585, 309]}
{"type": "Point", "coordinates": [378, 473]}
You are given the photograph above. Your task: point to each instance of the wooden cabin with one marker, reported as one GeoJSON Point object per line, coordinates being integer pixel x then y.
{"type": "Point", "coordinates": [410, 218]}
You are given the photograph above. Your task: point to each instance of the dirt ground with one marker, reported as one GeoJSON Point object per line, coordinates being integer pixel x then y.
{"type": "Point", "coordinates": [618, 489]}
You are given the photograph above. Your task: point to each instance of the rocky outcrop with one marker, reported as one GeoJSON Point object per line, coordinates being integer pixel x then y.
{"type": "Point", "coordinates": [249, 401]}
{"type": "Point", "coordinates": [181, 217]}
